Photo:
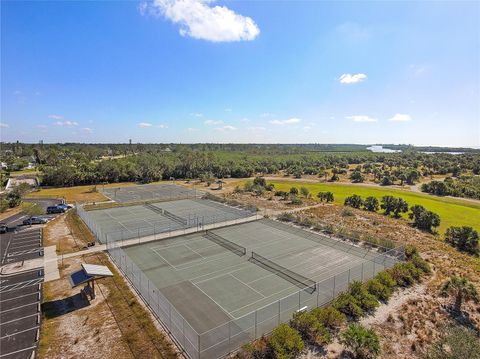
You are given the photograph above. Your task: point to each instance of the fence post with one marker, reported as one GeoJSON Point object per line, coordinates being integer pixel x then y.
{"type": "Point", "coordinates": [349, 276]}
{"type": "Point", "coordinates": [299, 293]}
{"type": "Point", "coordinates": [278, 323]}
{"type": "Point", "coordinates": [334, 285]}
{"type": "Point", "coordinates": [362, 271]}
{"type": "Point", "coordinates": [255, 324]}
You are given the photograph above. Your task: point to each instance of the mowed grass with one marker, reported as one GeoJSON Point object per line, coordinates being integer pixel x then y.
{"type": "Point", "coordinates": [452, 212]}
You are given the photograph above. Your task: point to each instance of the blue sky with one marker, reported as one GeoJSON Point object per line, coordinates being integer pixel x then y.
{"type": "Point", "coordinates": [241, 71]}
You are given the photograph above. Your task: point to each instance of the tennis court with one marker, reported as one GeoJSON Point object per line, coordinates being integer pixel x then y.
{"type": "Point", "coordinates": [232, 284]}
{"type": "Point", "coordinates": [160, 192]}
{"type": "Point", "coordinates": [121, 223]}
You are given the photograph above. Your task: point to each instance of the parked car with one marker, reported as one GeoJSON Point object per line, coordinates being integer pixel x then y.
{"type": "Point", "coordinates": [64, 206]}
{"type": "Point", "coordinates": [3, 228]}
{"type": "Point", "coordinates": [55, 209]}
{"type": "Point", "coordinates": [34, 220]}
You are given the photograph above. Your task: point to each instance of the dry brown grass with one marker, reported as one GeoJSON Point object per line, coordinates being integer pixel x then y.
{"type": "Point", "coordinates": [79, 194]}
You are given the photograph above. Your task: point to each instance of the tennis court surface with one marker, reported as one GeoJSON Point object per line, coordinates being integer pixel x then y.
{"type": "Point", "coordinates": [219, 289]}
{"type": "Point", "coordinates": [161, 192]}
{"type": "Point", "coordinates": [122, 223]}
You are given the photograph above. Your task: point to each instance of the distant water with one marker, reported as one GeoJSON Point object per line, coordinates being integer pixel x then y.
{"type": "Point", "coordinates": [380, 149]}
{"type": "Point", "coordinates": [450, 153]}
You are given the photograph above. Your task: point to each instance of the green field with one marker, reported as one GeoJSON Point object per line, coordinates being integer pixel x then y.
{"type": "Point", "coordinates": [452, 212]}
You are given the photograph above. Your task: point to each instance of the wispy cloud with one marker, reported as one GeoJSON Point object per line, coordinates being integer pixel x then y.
{"type": "Point", "coordinates": [55, 117]}
{"type": "Point", "coordinates": [256, 129]}
{"type": "Point", "coordinates": [199, 19]}
{"type": "Point", "coordinates": [41, 126]}
{"type": "Point", "coordinates": [290, 121]}
{"type": "Point", "coordinates": [191, 129]}
{"type": "Point", "coordinates": [225, 128]}
{"type": "Point", "coordinates": [361, 118]}
{"type": "Point", "coordinates": [66, 123]}
{"type": "Point", "coordinates": [162, 125]}
{"type": "Point", "coordinates": [144, 125]}
{"type": "Point", "coordinates": [213, 122]}
{"type": "Point", "coordinates": [87, 130]}
{"type": "Point", "coordinates": [196, 114]}
{"type": "Point", "coordinates": [4, 125]}
{"type": "Point", "coordinates": [352, 78]}
{"type": "Point", "coordinates": [399, 117]}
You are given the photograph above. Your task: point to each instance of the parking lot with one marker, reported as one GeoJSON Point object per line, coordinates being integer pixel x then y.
{"type": "Point", "coordinates": [24, 243]}
{"type": "Point", "coordinates": [20, 298]}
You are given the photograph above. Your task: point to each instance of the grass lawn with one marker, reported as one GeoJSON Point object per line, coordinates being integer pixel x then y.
{"type": "Point", "coordinates": [452, 212]}
{"type": "Point", "coordinates": [71, 194]}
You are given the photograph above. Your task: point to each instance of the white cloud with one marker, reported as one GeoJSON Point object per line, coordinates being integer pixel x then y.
{"type": "Point", "coordinates": [199, 20]}
{"type": "Point", "coordinates": [17, 92]}
{"type": "Point", "coordinates": [361, 118]}
{"type": "Point", "coordinates": [244, 120]}
{"type": "Point", "coordinates": [144, 125]}
{"type": "Point", "coordinates": [225, 128]}
{"type": "Point", "coordinates": [191, 129]}
{"type": "Point", "coordinates": [4, 125]}
{"type": "Point", "coordinates": [213, 122]}
{"type": "Point", "coordinates": [67, 123]}
{"type": "Point", "coordinates": [196, 114]}
{"type": "Point", "coordinates": [87, 130]}
{"type": "Point", "coordinates": [352, 79]}
{"type": "Point", "coordinates": [290, 121]}
{"type": "Point", "coordinates": [401, 118]}
{"type": "Point", "coordinates": [162, 125]}
{"type": "Point", "coordinates": [55, 117]}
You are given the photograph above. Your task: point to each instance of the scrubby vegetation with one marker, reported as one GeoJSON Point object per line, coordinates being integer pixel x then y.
{"type": "Point", "coordinates": [465, 239]}
{"type": "Point", "coordinates": [463, 186]}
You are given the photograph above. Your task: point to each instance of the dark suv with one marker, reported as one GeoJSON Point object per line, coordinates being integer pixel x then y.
{"type": "Point", "coordinates": [55, 209]}
{"type": "Point", "coordinates": [3, 228]}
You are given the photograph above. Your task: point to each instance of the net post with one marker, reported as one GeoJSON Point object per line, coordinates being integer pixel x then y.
{"type": "Point", "coordinates": [299, 300]}
{"type": "Point", "coordinates": [255, 324]}
{"type": "Point", "coordinates": [278, 322]}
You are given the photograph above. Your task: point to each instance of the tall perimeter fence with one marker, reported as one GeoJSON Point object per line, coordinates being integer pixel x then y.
{"type": "Point", "coordinates": [190, 222]}
{"type": "Point", "coordinates": [226, 338]}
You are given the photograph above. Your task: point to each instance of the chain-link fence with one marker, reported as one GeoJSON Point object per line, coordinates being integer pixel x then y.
{"type": "Point", "coordinates": [228, 337]}
{"type": "Point", "coordinates": [193, 222]}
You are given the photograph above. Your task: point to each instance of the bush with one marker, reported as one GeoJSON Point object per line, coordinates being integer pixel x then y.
{"type": "Point", "coordinates": [362, 342]}
{"type": "Point", "coordinates": [286, 217]}
{"type": "Point", "coordinates": [371, 204]}
{"type": "Point", "coordinates": [295, 200]}
{"type": "Point", "coordinates": [456, 342]}
{"type": "Point", "coordinates": [310, 328]}
{"type": "Point", "coordinates": [386, 279]}
{"type": "Point", "coordinates": [421, 264]}
{"type": "Point", "coordinates": [379, 290]}
{"type": "Point", "coordinates": [354, 201]}
{"type": "Point", "coordinates": [348, 305]}
{"type": "Point", "coordinates": [465, 239]}
{"type": "Point", "coordinates": [285, 342]}
{"type": "Point", "coordinates": [405, 274]}
{"type": "Point", "coordinates": [304, 192]}
{"type": "Point", "coordinates": [365, 300]}
{"type": "Point", "coordinates": [294, 191]}
{"type": "Point", "coordinates": [330, 318]}
{"type": "Point", "coordinates": [423, 219]}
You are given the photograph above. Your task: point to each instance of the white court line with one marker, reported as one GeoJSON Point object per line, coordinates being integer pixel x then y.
{"type": "Point", "coordinates": [226, 311]}
{"type": "Point", "coordinates": [170, 264]}
{"type": "Point", "coordinates": [117, 221]}
{"type": "Point", "coordinates": [256, 291]}
{"type": "Point", "coordinates": [22, 331]}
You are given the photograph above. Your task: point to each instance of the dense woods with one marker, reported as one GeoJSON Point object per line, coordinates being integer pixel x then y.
{"type": "Point", "coordinates": [76, 164]}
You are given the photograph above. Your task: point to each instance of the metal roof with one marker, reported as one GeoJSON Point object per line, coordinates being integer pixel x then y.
{"type": "Point", "coordinates": [97, 270]}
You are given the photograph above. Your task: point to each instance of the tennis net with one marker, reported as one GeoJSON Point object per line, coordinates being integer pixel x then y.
{"type": "Point", "coordinates": [225, 243]}
{"type": "Point", "coordinates": [174, 217]}
{"type": "Point", "coordinates": [153, 208]}
{"type": "Point", "coordinates": [299, 280]}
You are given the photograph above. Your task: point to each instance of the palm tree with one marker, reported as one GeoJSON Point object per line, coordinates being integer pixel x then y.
{"type": "Point", "coordinates": [462, 289]}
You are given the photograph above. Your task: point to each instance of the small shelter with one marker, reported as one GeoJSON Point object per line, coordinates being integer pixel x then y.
{"type": "Point", "coordinates": [88, 274]}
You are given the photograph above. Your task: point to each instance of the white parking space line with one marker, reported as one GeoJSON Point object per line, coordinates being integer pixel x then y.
{"type": "Point", "coordinates": [17, 319]}
{"type": "Point", "coordinates": [17, 351]}
{"type": "Point", "coordinates": [20, 306]}
{"type": "Point", "coordinates": [28, 283]}
{"type": "Point", "coordinates": [22, 331]}
{"type": "Point", "coordinates": [26, 251]}
{"type": "Point", "coordinates": [21, 296]}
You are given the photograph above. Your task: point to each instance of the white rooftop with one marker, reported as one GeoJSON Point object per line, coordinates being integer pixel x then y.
{"type": "Point", "coordinates": [96, 270]}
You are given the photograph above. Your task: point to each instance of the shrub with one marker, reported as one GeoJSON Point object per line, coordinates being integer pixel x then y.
{"type": "Point", "coordinates": [286, 217]}
{"type": "Point", "coordinates": [362, 342]}
{"type": "Point", "coordinates": [386, 279]}
{"type": "Point", "coordinates": [465, 239]}
{"type": "Point", "coordinates": [347, 213]}
{"type": "Point", "coordinates": [456, 342]}
{"type": "Point", "coordinates": [405, 274]}
{"type": "Point", "coordinates": [366, 301]}
{"type": "Point", "coordinates": [330, 317]}
{"type": "Point", "coordinates": [354, 201]}
{"type": "Point", "coordinates": [421, 264]}
{"type": "Point", "coordinates": [304, 192]}
{"type": "Point", "coordinates": [285, 342]}
{"type": "Point", "coordinates": [379, 290]}
{"type": "Point", "coordinates": [294, 190]}
{"type": "Point", "coordinates": [295, 200]}
{"type": "Point", "coordinates": [310, 328]}
{"type": "Point", "coordinates": [423, 219]}
{"type": "Point", "coordinates": [371, 204]}
{"type": "Point", "coordinates": [348, 305]}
